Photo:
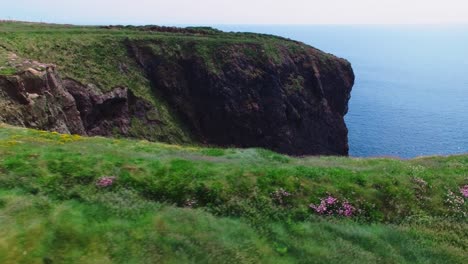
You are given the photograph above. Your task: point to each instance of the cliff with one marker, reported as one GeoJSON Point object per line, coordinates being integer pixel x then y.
{"type": "Point", "coordinates": [179, 85]}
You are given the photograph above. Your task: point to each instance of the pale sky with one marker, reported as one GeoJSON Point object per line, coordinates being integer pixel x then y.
{"type": "Point", "coordinates": [237, 11]}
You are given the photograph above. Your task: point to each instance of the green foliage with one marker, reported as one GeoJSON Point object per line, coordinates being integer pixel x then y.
{"type": "Point", "coordinates": [100, 56]}
{"type": "Point", "coordinates": [383, 189]}
{"type": "Point", "coordinates": [272, 156]}
{"type": "Point", "coordinates": [213, 152]}
{"type": "Point", "coordinates": [7, 71]}
{"type": "Point", "coordinates": [37, 229]}
{"type": "Point", "coordinates": [295, 83]}
{"type": "Point", "coordinates": [272, 52]}
{"type": "Point", "coordinates": [205, 29]}
{"type": "Point", "coordinates": [178, 204]}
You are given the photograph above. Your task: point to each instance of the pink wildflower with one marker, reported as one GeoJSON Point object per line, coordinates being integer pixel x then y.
{"type": "Point", "coordinates": [464, 191]}
{"type": "Point", "coordinates": [330, 200]}
{"type": "Point", "coordinates": [331, 206]}
{"type": "Point", "coordinates": [347, 209]}
{"type": "Point", "coordinates": [105, 181]}
{"type": "Point", "coordinates": [320, 209]}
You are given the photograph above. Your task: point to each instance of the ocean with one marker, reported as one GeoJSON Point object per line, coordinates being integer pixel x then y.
{"type": "Point", "coordinates": [410, 97]}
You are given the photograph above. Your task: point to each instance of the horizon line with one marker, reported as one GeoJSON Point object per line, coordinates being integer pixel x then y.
{"type": "Point", "coordinates": [233, 24]}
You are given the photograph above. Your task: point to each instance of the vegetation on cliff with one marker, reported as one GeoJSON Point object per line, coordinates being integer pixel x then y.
{"type": "Point", "coordinates": [71, 199]}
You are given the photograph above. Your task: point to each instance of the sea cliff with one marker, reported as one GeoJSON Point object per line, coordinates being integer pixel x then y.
{"type": "Point", "coordinates": [192, 85]}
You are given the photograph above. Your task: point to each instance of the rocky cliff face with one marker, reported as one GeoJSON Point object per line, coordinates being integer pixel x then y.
{"type": "Point", "coordinates": [37, 97]}
{"type": "Point", "coordinates": [290, 99]}
{"type": "Point", "coordinates": [293, 102]}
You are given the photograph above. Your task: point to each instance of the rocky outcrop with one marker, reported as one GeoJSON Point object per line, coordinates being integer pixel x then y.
{"type": "Point", "coordinates": [38, 98]}
{"type": "Point", "coordinates": [292, 101]}
{"type": "Point", "coordinates": [111, 113]}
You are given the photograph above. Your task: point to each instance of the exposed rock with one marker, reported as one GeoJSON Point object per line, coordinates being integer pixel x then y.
{"type": "Point", "coordinates": [40, 99]}
{"type": "Point", "coordinates": [109, 113]}
{"type": "Point", "coordinates": [294, 106]}
{"type": "Point", "coordinates": [37, 99]}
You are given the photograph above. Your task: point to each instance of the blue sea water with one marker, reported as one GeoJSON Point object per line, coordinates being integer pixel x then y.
{"type": "Point", "coordinates": [411, 92]}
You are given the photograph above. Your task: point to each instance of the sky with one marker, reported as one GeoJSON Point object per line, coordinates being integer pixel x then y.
{"type": "Point", "coordinates": [213, 12]}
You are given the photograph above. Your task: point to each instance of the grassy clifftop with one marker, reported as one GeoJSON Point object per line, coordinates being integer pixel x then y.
{"type": "Point", "coordinates": [98, 55]}
{"type": "Point", "coordinates": [70, 199]}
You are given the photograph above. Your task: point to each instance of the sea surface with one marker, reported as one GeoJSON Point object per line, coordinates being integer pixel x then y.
{"type": "Point", "coordinates": [411, 92]}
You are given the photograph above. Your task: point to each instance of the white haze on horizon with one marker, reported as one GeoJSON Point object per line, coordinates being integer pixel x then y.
{"type": "Point", "coordinates": [176, 12]}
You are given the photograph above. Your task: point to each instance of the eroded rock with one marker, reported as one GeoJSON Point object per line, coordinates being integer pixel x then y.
{"type": "Point", "coordinates": [42, 100]}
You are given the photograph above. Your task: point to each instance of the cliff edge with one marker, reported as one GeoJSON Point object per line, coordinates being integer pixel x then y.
{"type": "Point", "coordinates": [199, 85]}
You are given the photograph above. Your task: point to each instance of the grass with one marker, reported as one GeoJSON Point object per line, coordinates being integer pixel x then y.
{"type": "Point", "coordinates": [52, 211]}
{"type": "Point", "coordinates": [7, 71]}
{"type": "Point", "coordinates": [96, 55]}
{"type": "Point", "coordinates": [5, 67]}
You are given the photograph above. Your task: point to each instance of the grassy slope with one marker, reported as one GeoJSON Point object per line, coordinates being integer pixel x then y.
{"type": "Point", "coordinates": [53, 212]}
{"type": "Point", "coordinates": [94, 55]}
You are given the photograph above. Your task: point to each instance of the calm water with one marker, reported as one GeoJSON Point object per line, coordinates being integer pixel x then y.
{"type": "Point", "coordinates": [411, 92]}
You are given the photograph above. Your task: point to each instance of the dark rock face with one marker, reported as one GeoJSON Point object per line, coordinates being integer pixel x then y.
{"type": "Point", "coordinates": [295, 106]}
{"type": "Point", "coordinates": [40, 99]}
{"type": "Point", "coordinates": [101, 114]}
{"type": "Point", "coordinates": [110, 113]}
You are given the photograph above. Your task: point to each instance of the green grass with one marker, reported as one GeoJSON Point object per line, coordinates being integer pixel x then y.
{"type": "Point", "coordinates": [5, 67]}
{"type": "Point", "coordinates": [95, 55]}
{"type": "Point", "coordinates": [7, 71]}
{"type": "Point", "coordinates": [51, 210]}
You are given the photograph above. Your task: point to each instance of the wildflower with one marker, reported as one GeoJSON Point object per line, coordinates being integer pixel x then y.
{"type": "Point", "coordinates": [346, 209]}
{"type": "Point", "coordinates": [456, 203]}
{"type": "Point", "coordinates": [105, 181]}
{"type": "Point", "coordinates": [320, 209]}
{"type": "Point", "coordinates": [330, 200]}
{"type": "Point", "coordinates": [331, 206]}
{"type": "Point", "coordinates": [464, 191]}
